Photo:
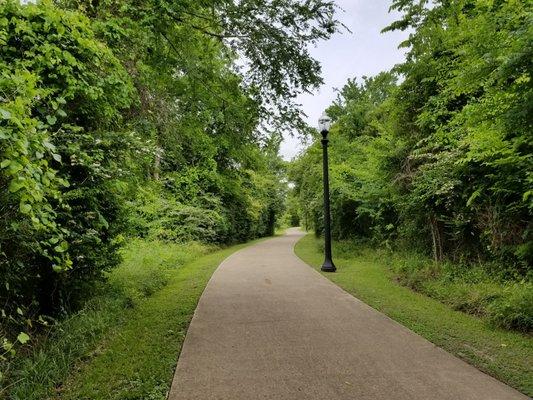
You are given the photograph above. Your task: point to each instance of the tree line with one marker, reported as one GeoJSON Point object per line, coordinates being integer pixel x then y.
{"type": "Point", "coordinates": [436, 155]}
{"type": "Point", "coordinates": [158, 119]}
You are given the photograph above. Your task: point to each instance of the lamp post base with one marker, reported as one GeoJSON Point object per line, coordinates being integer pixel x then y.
{"type": "Point", "coordinates": [328, 266]}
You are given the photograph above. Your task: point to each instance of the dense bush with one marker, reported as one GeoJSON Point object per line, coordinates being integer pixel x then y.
{"type": "Point", "coordinates": [62, 94]}
{"type": "Point", "coordinates": [155, 214]}
{"type": "Point", "coordinates": [515, 309]}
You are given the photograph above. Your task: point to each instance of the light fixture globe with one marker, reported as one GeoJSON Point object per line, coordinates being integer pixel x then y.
{"type": "Point", "coordinates": [324, 123]}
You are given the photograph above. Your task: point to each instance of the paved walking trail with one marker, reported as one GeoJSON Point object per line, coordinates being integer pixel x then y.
{"type": "Point", "coordinates": [270, 327]}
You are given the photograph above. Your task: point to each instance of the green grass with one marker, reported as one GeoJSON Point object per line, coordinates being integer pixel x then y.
{"type": "Point", "coordinates": [506, 355]}
{"type": "Point", "coordinates": [125, 343]}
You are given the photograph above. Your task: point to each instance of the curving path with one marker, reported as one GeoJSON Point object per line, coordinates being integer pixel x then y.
{"type": "Point", "coordinates": [270, 327]}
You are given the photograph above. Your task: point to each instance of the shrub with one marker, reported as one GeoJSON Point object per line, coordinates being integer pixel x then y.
{"type": "Point", "coordinates": [61, 96]}
{"type": "Point", "coordinates": [474, 289]}
{"type": "Point", "coordinates": [514, 310]}
{"type": "Point", "coordinates": [145, 269]}
{"type": "Point", "coordinates": [156, 214]}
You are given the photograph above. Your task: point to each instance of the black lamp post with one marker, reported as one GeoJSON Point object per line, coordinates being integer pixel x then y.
{"type": "Point", "coordinates": [324, 123]}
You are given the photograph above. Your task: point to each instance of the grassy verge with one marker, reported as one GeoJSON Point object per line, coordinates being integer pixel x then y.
{"type": "Point", "coordinates": [503, 354]}
{"type": "Point", "coordinates": [125, 343]}
{"type": "Point", "coordinates": [484, 290]}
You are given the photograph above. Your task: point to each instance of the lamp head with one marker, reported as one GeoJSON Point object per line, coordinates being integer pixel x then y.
{"type": "Point", "coordinates": [324, 123]}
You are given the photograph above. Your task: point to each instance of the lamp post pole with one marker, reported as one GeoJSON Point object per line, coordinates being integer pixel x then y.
{"type": "Point", "coordinates": [324, 125]}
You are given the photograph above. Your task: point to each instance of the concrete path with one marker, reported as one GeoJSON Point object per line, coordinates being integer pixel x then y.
{"type": "Point", "coordinates": [270, 327]}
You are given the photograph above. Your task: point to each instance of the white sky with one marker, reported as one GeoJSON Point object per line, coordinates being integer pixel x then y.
{"type": "Point", "coordinates": [365, 51]}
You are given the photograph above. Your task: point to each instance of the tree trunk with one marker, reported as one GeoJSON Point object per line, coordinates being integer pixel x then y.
{"type": "Point", "coordinates": [436, 235]}
{"type": "Point", "coordinates": [157, 163]}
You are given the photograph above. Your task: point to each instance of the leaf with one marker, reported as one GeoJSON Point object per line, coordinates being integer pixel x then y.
{"type": "Point", "coordinates": [56, 157]}
{"type": "Point", "coordinates": [15, 167]}
{"type": "Point", "coordinates": [61, 247]}
{"type": "Point", "coordinates": [7, 345]}
{"type": "Point", "coordinates": [51, 119]}
{"type": "Point", "coordinates": [57, 268]}
{"type": "Point", "coordinates": [23, 337]}
{"type": "Point", "coordinates": [473, 197]}
{"type": "Point", "coordinates": [5, 114]}
{"type": "Point", "coordinates": [5, 163]}
{"type": "Point", "coordinates": [49, 145]}
{"type": "Point", "coordinates": [25, 208]}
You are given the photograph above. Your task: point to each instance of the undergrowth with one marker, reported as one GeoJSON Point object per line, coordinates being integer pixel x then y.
{"type": "Point", "coordinates": [474, 289]}
{"type": "Point", "coordinates": [147, 268]}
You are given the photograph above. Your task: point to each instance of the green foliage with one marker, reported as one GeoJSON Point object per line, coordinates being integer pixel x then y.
{"type": "Point", "coordinates": [62, 91]}
{"type": "Point", "coordinates": [441, 154]}
{"type": "Point", "coordinates": [441, 163]}
{"type": "Point", "coordinates": [514, 310]}
{"type": "Point", "coordinates": [147, 268]}
{"type": "Point", "coordinates": [120, 119]}
{"type": "Point", "coordinates": [463, 111]}
{"type": "Point", "coordinates": [292, 217]}
{"type": "Point", "coordinates": [471, 289]}
{"type": "Point", "coordinates": [361, 195]}
{"type": "Point", "coordinates": [193, 38]}
{"type": "Point", "coordinates": [157, 215]}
